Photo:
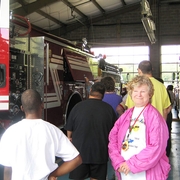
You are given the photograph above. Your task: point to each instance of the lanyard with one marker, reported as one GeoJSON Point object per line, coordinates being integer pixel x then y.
{"type": "Point", "coordinates": [130, 128]}
{"type": "Point", "coordinates": [125, 145]}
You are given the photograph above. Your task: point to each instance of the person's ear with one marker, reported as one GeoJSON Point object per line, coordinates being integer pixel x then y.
{"type": "Point", "coordinates": [22, 108]}
{"type": "Point", "coordinates": [139, 72]}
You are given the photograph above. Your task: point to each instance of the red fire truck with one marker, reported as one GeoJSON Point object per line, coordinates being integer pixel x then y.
{"type": "Point", "coordinates": [4, 55]}
{"type": "Point", "coordinates": [55, 67]}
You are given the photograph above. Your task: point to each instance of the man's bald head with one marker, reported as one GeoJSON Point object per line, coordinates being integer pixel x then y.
{"type": "Point", "coordinates": [31, 101]}
{"type": "Point", "coordinates": [145, 67]}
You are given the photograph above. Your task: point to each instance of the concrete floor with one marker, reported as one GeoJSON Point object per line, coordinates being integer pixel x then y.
{"type": "Point", "coordinates": [175, 151]}
{"type": "Point", "coordinates": [174, 156]}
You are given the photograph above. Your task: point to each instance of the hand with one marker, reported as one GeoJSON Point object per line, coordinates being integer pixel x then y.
{"type": "Point", "coordinates": [52, 178]}
{"type": "Point", "coordinates": [124, 168]}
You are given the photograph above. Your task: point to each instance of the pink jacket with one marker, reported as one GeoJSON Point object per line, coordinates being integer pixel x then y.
{"type": "Point", "coordinates": [153, 158]}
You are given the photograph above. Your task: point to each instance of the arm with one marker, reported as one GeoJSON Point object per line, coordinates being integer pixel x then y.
{"type": "Point", "coordinates": [69, 135]}
{"type": "Point", "coordinates": [167, 104]}
{"type": "Point", "coordinates": [121, 108]}
{"type": "Point", "coordinates": [113, 146]}
{"type": "Point", "coordinates": [166, 112]}
{"type": "Point", "coordinates": [65, 168]}
{"type": "Point", "coordinates": [7, 173]}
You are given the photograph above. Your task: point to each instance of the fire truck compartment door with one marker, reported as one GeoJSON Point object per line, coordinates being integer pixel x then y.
{"type": "Point", "coordinates": [78, 65]}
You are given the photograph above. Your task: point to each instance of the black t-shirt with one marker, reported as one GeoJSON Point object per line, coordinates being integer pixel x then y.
{"type": "Point", "coordinates": [90, 122]}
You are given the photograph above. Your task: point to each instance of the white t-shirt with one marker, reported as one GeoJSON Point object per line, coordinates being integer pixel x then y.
{"type": "Point", "coordinates": [30, 147]}
{"type": "Point", "coordinates": [137, 142]}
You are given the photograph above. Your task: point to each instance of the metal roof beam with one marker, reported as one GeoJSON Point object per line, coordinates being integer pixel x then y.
{"type": "Point", "coordinates": [98, 6]}
{"type": "Point", "coordinates": [72, 27]}
{"type": "Point", "coordinates": [74, 8]}
{"type": "Point", "coordinates": [29, 8]}
{"type": "Point", "coordinates": [42, 13]}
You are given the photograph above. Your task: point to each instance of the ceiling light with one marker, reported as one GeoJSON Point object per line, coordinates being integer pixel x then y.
{"type": "Point", "coordinates": [149, 27]}
{"type": "Point", "coordinates": [145, 8]}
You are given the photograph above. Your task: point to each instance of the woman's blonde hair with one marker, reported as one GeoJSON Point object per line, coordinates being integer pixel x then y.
{"type": "Point", "coordinates": [139, 81]}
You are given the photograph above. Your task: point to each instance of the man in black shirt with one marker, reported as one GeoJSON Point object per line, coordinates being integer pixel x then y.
{"type": "Point", "coordinates": [88, 127]}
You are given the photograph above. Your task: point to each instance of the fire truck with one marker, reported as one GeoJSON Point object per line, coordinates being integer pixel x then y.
{"type": "Point", "coordinates": [4, 55]}
{"type": "Point", "coordinates": [53, 66]}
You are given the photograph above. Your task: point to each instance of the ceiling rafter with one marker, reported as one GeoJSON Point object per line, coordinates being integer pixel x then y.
{"type": "Point", "coordinates": [29, 8]}
{"type": "Point", "coordinates": [98, 6]}
{"type": "Point", "coordinates": [83, 19]}
{"type": "Point", "coordinates": [74, 9]}
{"type": "Point", "coordinates": [72, 27]}
{"type": "Point", "coordinates": [42, 13]}
{"type": "Point", "coordinates": [123, 2]}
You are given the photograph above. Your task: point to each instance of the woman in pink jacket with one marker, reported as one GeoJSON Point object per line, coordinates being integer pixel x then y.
{"type": "Point", "coordinates": [138, 140]}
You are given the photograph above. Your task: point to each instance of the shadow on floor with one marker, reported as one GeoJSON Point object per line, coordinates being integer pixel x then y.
{"type": "Point", "coordinates": [175, 151]}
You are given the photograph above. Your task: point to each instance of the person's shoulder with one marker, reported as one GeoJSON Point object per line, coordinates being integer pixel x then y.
{"type": "Point", "coordinates": [112, 96]}
{"type": "Point", "coordinates": [151, 107]}
{"type": "Point", "coordinates": [154, 80]}
{"type": "Point", "coordinates": [129, 109]}
{"type": "Point", "coordinates": [15, 125]}
{"type": "Point", "coordinates": [127, 114]}
{"type": "Point", "coordinates": [52, 127]}
{"type": "Point", "coordinates": [105, 105]}
{"type": "Point", "coordinates": [118, 96]}
{"type": "Point", "coordinates": [11, 131]}
{"type": "Point", "coordinates": [80, 103]}
{"type": "Point", "coordinates": [48, 124]}
{"type": "Point", "coordinates": [152, 110]}
{"type": "Point", "coordinates": [157, 83]}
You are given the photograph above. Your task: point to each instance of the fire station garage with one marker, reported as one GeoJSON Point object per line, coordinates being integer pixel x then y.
{"type": "Point", "coordinates": [55, 46]}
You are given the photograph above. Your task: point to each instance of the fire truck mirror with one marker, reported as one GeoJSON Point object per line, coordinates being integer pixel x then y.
{"type": "Point", "coordinates": [2, 75]}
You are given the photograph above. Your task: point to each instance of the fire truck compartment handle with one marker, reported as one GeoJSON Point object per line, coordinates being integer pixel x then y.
{"type": "Point", "coordinates": [2, 75]}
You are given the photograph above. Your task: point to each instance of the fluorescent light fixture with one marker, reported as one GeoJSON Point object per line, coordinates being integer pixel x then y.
{"type": "Point", "coordinates": [149, 27]}
{"type": "Point", "coordinates": [146, 11]}
{"type": "Point", "coordinates": [147, 22]}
